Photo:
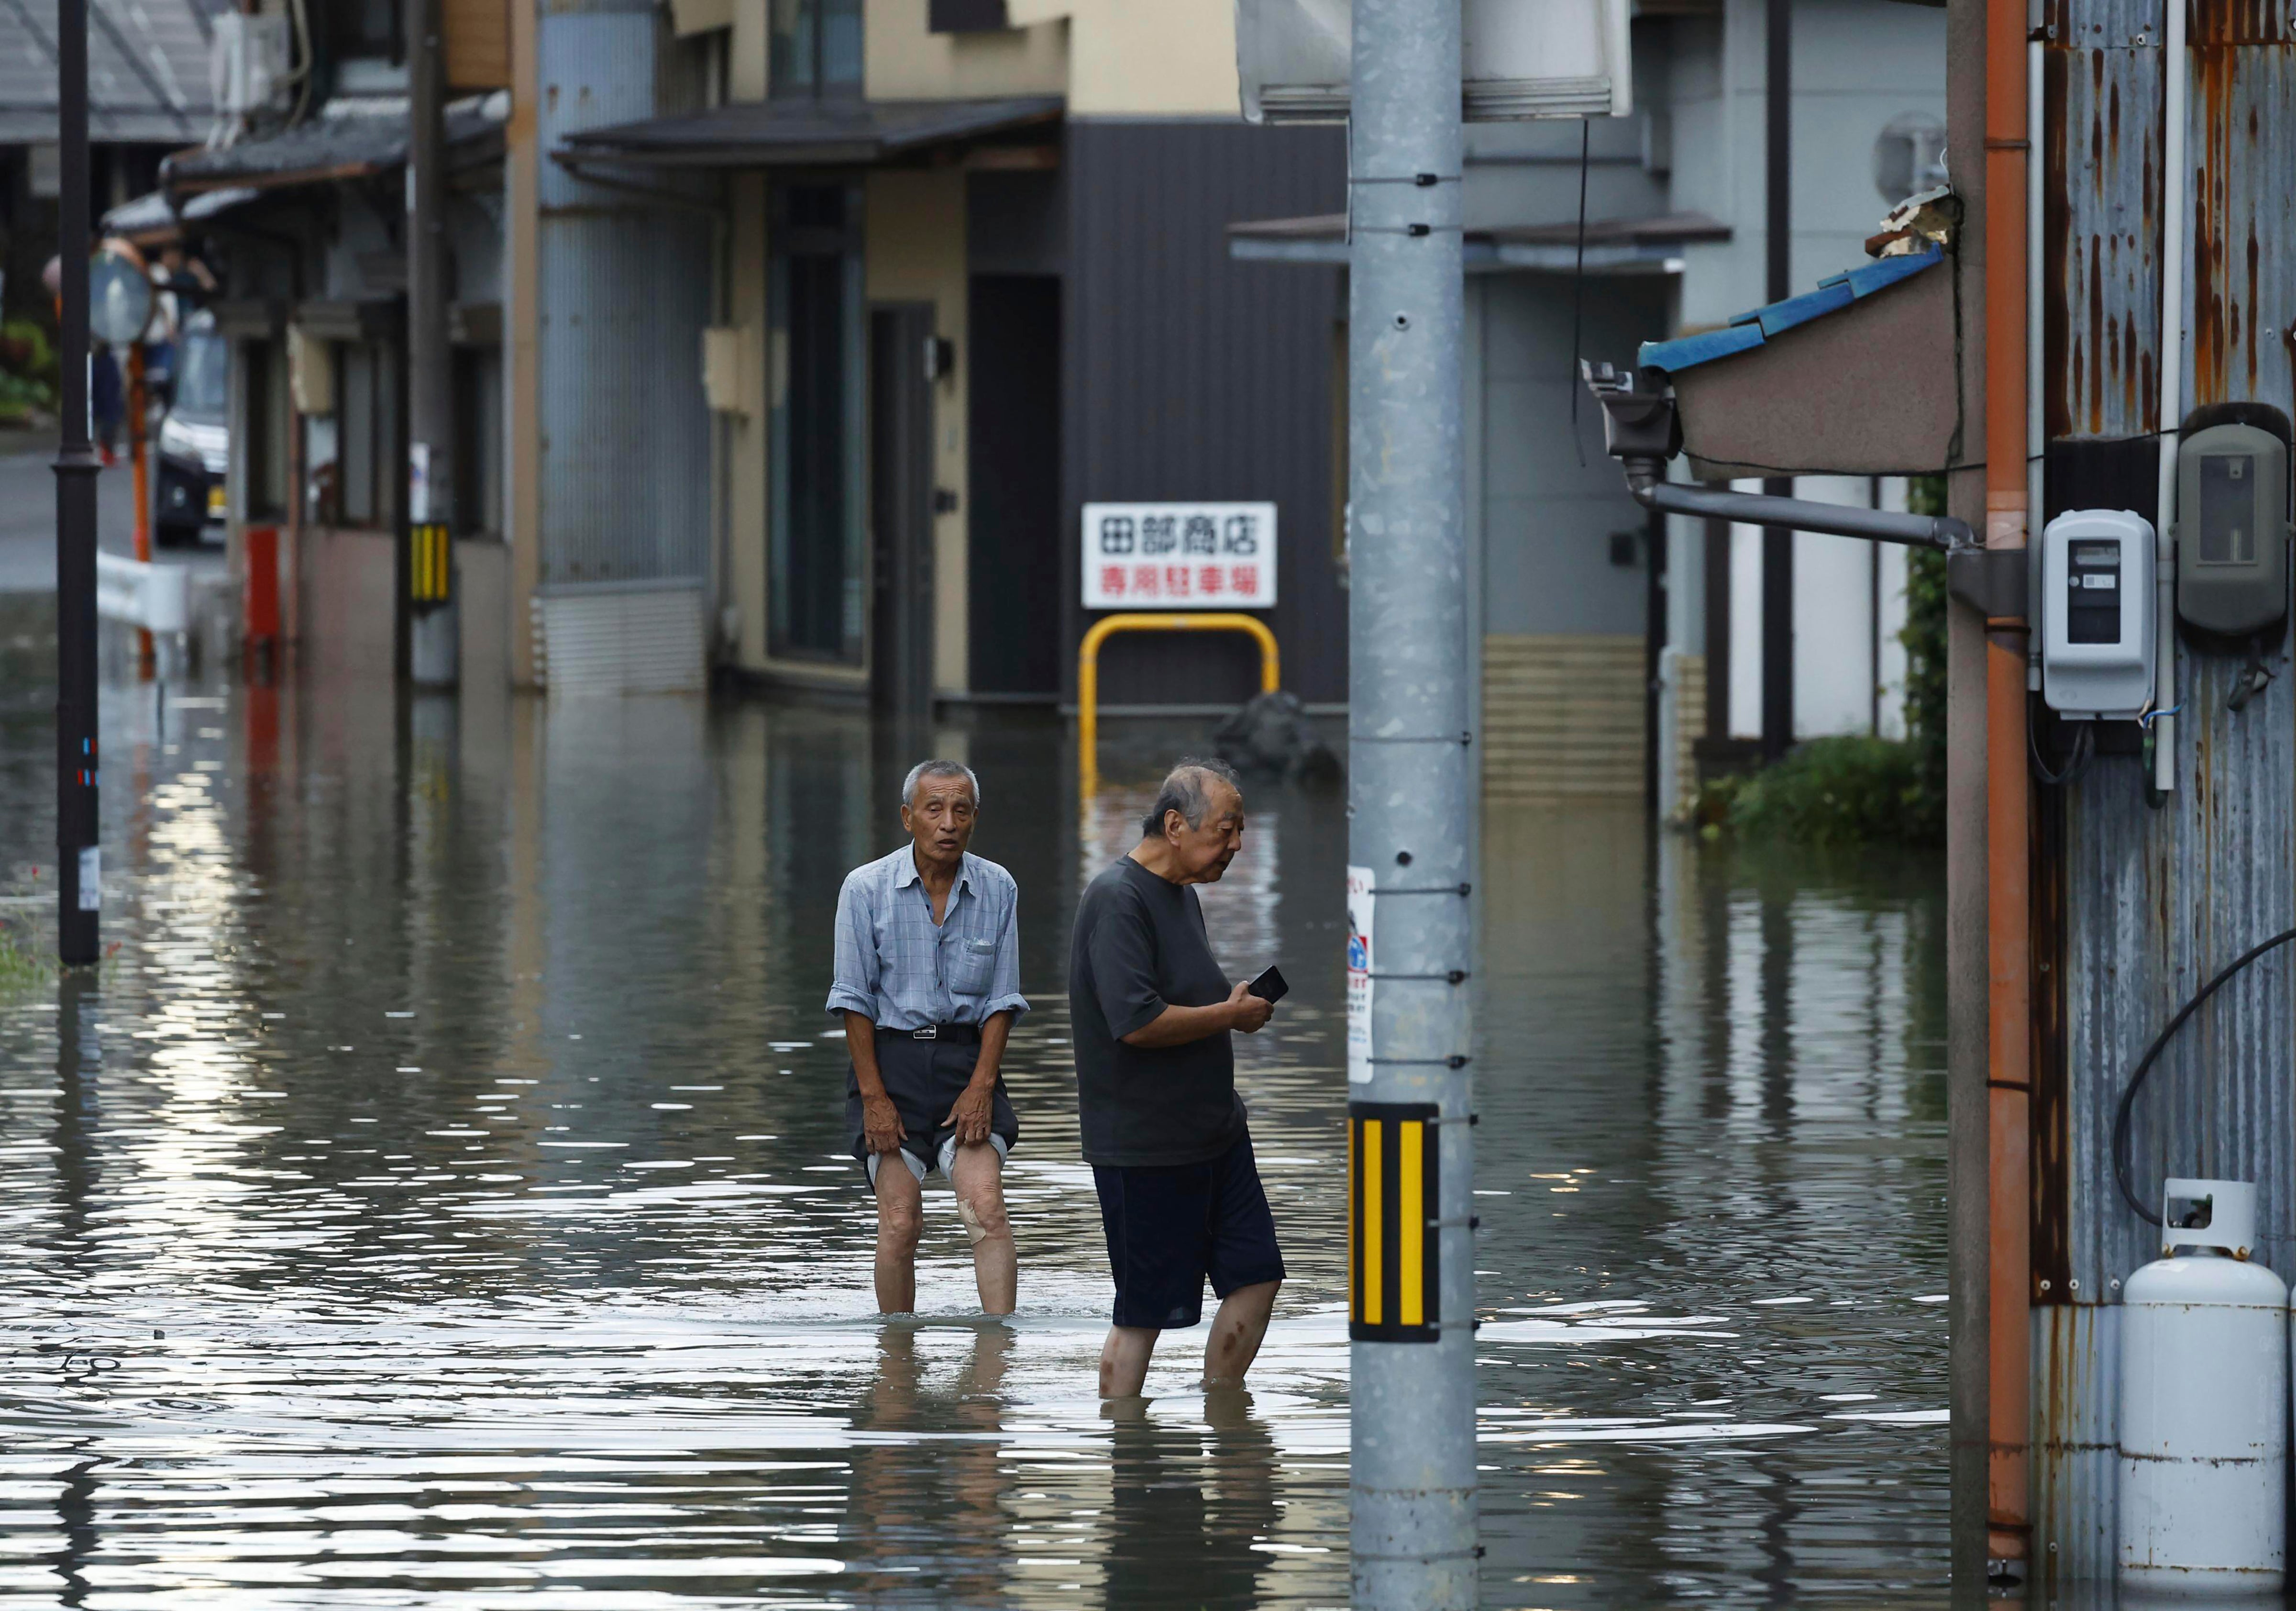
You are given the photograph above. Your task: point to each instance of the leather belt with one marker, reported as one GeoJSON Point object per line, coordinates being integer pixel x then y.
{"type": "Point", "coordinates": [962, 1034]}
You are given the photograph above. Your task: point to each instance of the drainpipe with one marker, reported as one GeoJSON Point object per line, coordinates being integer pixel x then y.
{"type": "Point", "coordinates": [2173, 242]}
{"type": "Point", "coordinates": [2007, 820]}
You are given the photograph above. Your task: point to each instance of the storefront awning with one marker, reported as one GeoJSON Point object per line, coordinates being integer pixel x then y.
{"type": "Point", "coordinates": [1613, 245]}
{"type": "Point", "coordinates": [808, 132]}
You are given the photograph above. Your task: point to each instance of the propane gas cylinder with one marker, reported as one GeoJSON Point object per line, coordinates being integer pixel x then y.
{"type": "Point", "coordinates": [2204, 1402]}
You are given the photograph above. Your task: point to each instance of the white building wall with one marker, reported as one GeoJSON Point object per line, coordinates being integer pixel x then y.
{"type": "Point", "coordinates": [1858, 64]}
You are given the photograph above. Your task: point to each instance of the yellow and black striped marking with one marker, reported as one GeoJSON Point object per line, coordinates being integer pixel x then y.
{"type": "Point", "coordinates": [1394, 1274]}
{"type": "Point", "coordinates": [431, 575]}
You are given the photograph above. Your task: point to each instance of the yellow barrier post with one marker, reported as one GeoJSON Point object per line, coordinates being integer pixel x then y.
{"type": "Point", "coordinates": [1088, 669]}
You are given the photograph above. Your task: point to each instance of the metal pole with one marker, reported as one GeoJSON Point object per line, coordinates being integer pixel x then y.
{"type": "Point", "coordinates": [79, 866]}
{"type": "Point", "coordinates": [429, 372]}
{"type": "Point", "coordinates": [1778, 546]}
{"type": "Point", "coordinates": [1411, 784]}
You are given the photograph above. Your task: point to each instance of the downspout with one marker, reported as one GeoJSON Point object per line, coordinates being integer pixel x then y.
{"type": "Point", "coordinates": [2173, 241]}
{"type": "Point", "coordinates": [2007, 824]}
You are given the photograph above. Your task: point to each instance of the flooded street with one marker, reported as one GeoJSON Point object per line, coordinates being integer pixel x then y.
{"type": "Point", "coordinates": [441, 1197]}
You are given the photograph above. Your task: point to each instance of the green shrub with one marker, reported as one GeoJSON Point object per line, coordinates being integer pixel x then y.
{"type": "Point", "coordinates": [1841, 791]}
{"type": "Point", "coordinates": [1924, 636]}
{"type": "Point", "coordinates": [25, 960]}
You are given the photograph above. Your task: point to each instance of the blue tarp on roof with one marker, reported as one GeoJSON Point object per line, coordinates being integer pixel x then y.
{"type": "Point", "coordinates": [1750, 329]}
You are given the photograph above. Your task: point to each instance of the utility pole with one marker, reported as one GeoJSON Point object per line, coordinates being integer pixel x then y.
{"type": "Point", "coordinates": [1777, 645]}
{"type": "Point", "coordinates": [1413, 772]}
{"type": "Point", "coordinates": [429, 360]}
{"type": "Point", "coordinates": [79, 862]}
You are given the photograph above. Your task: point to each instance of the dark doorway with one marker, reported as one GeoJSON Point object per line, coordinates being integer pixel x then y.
{"type": "Point", "coordinates": [1014, 470]}
{"type": "Point", "coordinates": [901, 509]}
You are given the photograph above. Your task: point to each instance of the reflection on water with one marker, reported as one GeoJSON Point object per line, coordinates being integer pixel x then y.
{"type": "Point", "coordinates": [441, 1200]}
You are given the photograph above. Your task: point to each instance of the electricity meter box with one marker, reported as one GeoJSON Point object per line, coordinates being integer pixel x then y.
{"type": "Point", "coordinates": [2096, 615]}
{"type": "Point", "coordinates": [2232, 521]}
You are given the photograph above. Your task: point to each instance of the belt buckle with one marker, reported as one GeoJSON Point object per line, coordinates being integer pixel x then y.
{"type": "Point", "coordinates": [932, 1032]}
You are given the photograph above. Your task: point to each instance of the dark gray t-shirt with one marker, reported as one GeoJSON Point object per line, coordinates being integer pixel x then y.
{"type": "Point", "coordinates": [1140, 947]}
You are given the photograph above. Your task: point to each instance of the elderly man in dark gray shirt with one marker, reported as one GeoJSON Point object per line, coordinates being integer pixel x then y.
{"type": "Point", "coordinates": [1164, 1131]}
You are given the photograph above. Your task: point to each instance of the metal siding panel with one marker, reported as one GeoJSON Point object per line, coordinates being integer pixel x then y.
{"type": "Point", "coordinates": [2158, 899]}
{"type": "Point", "coordinates": [1189, 376]}
{"type": "Point", "coordinates": [621, 640]}
{"type": "Point", "coordinates": [624, 293]}
{"type": "Point", "coordinates": [2102, 241]}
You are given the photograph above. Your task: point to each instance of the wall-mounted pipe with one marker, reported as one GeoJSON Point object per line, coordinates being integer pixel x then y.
{"type": "Point", "coordinates": [1938, 531]}
{"type": "Point", "coordinates": [2008, 908]}
{"type": "Point", "coordinates": [2173, 242]}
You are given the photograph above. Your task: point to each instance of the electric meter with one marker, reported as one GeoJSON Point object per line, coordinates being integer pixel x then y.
{"type": "Point", "coordinates": [2096, 615]}
{"type": "Point", "coordinates": [2232, 529]}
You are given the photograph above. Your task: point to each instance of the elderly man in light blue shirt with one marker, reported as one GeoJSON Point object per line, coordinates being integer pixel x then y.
{"type": "Point", "coordinates": [929, 981]}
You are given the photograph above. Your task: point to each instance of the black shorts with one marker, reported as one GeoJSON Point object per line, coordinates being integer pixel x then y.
{"type": "Point", "coordinates": [924, 1079]}
{"type": "Point", "coordinates": [1171, 1226]}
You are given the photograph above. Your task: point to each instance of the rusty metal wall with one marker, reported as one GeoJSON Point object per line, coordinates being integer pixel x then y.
{"type": "Point", "coordinates": [2156, 898]}
{"type": "Point", "coordinates": [625, 290]}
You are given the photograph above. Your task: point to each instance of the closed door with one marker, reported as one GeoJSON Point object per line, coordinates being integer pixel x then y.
{"type": "Point", "coordinates": [901, 509]}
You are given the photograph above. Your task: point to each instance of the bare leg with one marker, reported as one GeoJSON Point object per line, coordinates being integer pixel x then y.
{"type": "Point", "coordinates": [1124, 1360]}
{"type": "Point", "coordinates": [1236, 1333]}
{"type": "Point", "coordinates": [977, 1171]}
{"type": "Point", "coordinates": [900, 1217]}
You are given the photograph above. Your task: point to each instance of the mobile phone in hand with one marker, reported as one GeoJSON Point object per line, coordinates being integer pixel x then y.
{"type": "Point", "coordinates": [1269, 986]}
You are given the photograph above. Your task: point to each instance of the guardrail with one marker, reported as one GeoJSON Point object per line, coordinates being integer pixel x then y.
{"type": "Point", "coordinates": [157, 598]}
{"type": "Point", "coordinates": [1088, 670]}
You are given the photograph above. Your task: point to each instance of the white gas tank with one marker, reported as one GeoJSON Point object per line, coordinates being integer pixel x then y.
{"type": "Point", "coordinates": [2205, 1403]}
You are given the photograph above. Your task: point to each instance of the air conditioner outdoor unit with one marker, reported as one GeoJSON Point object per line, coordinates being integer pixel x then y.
{"type": "Point", "coordinates": [248, 63]}
{"type": "Point", "coordinates": [1520, 59]}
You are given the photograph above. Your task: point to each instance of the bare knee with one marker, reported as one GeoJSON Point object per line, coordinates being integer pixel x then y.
{"type": "Point", "coordinates": [900, 1224]}
{"type": "Point", "coordinates": [982, 1211]}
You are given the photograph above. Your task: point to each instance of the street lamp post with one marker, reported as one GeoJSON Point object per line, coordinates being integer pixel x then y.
{"type": "Point", "coordinates": [79, 862]}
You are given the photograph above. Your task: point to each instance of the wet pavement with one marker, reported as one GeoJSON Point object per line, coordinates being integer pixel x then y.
{"type": "Point", "coordinates": [440, 1199]}
{"type": "Point", "coordinates": [28, 516]}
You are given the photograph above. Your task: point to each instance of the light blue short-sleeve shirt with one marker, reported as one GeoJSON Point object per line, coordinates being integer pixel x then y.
{"type": "Point", "coordinates": [899, 969]}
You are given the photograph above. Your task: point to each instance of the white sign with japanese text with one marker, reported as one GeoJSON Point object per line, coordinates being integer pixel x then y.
{"type": "Point", "coordinates": [1362, 884]}
{"type": "Point", "coordinates": [1179, 557]}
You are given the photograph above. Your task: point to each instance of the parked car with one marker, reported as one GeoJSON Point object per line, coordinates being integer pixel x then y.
{"type": "Point", "coordinates": [195, 437]}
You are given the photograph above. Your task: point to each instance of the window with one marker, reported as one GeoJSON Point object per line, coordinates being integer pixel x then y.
{"type": "Point", "coordinates": [816, 46]}
{"type": "Point", "coordinates": [267, 417]}
{"type": "Point", "coordinates": [204, 375]}
{"type": "Point", "coordinates": [478, 442]}
{"type": "Point", "coordinates": [816, 569]}
{"type": "Point", "coordinates": [366, 425]}
{"type": "Point", "coordinates": [359, 28]}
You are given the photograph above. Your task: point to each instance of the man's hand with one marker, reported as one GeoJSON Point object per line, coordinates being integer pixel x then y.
{"type": "Point", "coordinates": [881, 1123]}
{"type": "Point", "coordinates": [1251, 1011]}
{"type": "Point", "coordinates": [972, 1113]}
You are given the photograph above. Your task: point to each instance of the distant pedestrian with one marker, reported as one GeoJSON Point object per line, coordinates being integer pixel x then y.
{"type": "Point", "coordinates": [928, 976]}
{"type": "Point", "coordinates": [1180, 1197]}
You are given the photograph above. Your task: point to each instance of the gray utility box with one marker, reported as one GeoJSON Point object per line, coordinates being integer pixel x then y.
{"type": "Point", "coordinates": [2232, 531]}
{"type": "Point", "coordinates": [2096, 614]}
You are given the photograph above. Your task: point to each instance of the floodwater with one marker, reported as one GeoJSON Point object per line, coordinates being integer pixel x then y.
{"type": "Point", "coordinates": [439, 1199]}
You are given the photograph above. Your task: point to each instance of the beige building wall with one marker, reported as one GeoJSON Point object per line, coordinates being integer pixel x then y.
{"type": "Point", "coordinates": [1563, 716]}
{"type": "Point", "coordinates": [904, 60]}
{"type": "Point", "coordinates": [1145, 58]}
{"type": "Point", "coordinates": [1111, 58]}
{"type": "Point", "coordinates": [748, 52]}
{"type": "Point", "coordinates": [913, 233]}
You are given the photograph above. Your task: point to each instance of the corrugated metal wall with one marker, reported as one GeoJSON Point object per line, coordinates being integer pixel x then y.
{"type": "Point", "coordinates": [2155, 900]}
{"type": "Point", "coordinates": [1188, 375]}
{"type": "Point", "coordinates": [624, 293]}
